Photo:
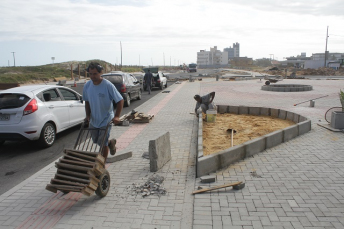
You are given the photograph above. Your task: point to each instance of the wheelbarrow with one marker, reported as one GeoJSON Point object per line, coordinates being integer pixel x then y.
{"type": "Point", "coordinates": [82, 169]}
{"type": "Point", "coordinates": [272, 79]}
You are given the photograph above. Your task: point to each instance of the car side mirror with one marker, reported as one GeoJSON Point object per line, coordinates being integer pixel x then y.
{"type": "Point", "coordinates": [82, 101]}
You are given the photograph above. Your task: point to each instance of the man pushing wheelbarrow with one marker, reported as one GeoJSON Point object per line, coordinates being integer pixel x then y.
{"type": "Point", "coordinates": [82, 169]}
{"type": "Point", "coordinates": [99, 95]}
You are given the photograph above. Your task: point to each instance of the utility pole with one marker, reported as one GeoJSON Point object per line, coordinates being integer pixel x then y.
{"type": "Point", "coordinates": [121, 53]}
{"type": "Point", "coordinates": [14, 59]}
{"type": "Point", "coordinates": [164, 58]}
{"type": "Point", "coordinates": [326, 47]}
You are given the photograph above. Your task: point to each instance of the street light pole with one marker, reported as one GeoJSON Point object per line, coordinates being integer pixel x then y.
{"type": "Point", "coordinates": [326, 47]}
{"type": "Point", "coordinates": [121, 53]}
{"type": "Point", "coordinates": [14, 59]}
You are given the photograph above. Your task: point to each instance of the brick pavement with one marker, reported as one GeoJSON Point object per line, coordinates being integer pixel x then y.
{"type": "Point", "coordinates": [299, 184]}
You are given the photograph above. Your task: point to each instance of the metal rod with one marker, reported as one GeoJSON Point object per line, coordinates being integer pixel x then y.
{"type": "Point", "coordinates": [310, 100]}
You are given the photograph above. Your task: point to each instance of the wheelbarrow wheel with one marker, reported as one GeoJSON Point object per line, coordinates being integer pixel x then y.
{"type": "Point", "coordinates": [104, 184]}
{"type": "Point", "coordinates": [267, 83]}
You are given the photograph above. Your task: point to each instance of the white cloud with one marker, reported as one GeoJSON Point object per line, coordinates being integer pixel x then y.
{"type": "Point", "coordinates": [178, 29]}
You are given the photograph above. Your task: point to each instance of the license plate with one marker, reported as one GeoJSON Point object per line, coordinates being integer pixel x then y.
{"type": "Point", "coordinates": [4, 117]}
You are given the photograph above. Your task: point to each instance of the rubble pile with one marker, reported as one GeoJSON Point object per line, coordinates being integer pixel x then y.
{"type": "Point", "coordinates": [276, 72]}
{"type": "Point", "coordinates": [319, 72]}
{"type": "Point", "coordinates": [305, 72]}
{"type": "Point", "coordinates": [153, 186]}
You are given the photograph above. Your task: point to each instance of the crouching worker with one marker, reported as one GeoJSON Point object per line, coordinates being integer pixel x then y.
{"type": "Point", "coordinates": [99, 94]}
{"type": "Point", "coordinates": [205, 102]}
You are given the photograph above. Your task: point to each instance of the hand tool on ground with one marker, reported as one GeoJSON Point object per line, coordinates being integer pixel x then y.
{"type": "Point", "coordinates": [237, 185]}
{"type": "Point", "coordinates": [310, 100]}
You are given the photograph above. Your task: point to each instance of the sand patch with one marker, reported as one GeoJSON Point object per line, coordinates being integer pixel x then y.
{"type": "Point", "coordinates": [216, 137]}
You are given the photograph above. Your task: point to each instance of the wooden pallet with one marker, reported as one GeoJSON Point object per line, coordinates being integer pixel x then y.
{"type": "Point", "coordinates": [142, 118]}
{"type": "Point", "coordinates": [77, 171]}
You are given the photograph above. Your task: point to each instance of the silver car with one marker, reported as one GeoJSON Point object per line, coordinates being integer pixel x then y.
{"type": "Point", "coordinates": [38, 112]}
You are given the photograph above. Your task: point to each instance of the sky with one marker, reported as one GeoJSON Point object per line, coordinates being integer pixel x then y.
{"type": "Point", "coordinates": [164, 32]}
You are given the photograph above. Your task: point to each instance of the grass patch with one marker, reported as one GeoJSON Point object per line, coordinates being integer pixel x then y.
{"type": "Point", "coordinates": [48, 72]}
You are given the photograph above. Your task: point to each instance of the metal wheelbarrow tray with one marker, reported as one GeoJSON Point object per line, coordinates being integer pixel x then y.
{"type": "Point", "coordinates": [82, 169]}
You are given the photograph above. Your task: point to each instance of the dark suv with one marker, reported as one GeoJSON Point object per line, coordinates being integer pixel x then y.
{"type": "Point", "coordinates": [126, 84]}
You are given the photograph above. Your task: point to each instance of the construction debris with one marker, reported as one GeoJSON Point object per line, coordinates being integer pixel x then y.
{"type": "Point", "coordinates": [292, 72]}
{"type": "Point", "coordinates": [254, 174]}
{"type": "Point", "coordinates": [153, 186]}
{"type": "Point", "coordinates": [208, 179]}
{"type": "Point", "coordinates": [136, 117]}
{"type": "Point", "coordinates": [142, 118]}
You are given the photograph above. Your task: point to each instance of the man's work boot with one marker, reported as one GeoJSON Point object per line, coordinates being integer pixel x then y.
{"type": "Point", "coordinates": [112, 146]}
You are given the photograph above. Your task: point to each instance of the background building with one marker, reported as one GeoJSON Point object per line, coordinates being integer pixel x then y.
{"type": "Point", "coordinates": [212, 58]}
{"type": "Point", "coordinates": [233, 52]}
{"type": "Point", "coordinates": [334, 60]}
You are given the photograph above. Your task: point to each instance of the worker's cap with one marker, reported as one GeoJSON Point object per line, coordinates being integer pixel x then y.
{"type": "Point", "coordinates": [197, 97]}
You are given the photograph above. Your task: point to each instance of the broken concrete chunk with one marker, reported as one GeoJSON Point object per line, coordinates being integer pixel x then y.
{"type": "Point", "coordinates": [208, 179]}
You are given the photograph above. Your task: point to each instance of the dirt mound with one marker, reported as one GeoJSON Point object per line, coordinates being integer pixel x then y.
{"type": "Point", "coordinates": [318, 72]}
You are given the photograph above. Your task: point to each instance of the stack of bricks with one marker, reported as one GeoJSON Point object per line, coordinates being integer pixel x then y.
{"type": "Point", "coordinates": [77, 171]}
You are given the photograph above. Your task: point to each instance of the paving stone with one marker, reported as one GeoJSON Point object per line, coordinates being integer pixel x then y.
{"type": "Point", "coordinates": [208, 179]}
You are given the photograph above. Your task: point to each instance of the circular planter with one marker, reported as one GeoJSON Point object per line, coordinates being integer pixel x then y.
{"type": "Point", "coordinates": [287, 87]}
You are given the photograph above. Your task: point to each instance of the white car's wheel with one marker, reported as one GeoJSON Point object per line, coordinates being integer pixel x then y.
{"type": "Point", "coordinates": [48, 135]}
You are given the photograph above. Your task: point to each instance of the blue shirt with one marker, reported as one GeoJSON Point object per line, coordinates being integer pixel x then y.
{"type": "Point", "coordinates": [100, 98]}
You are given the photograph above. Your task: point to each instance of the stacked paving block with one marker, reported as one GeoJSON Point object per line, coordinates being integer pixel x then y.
{"type": "Point", "coordinates": [77, 171]}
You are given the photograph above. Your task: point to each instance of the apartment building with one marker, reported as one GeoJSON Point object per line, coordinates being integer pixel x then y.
{"type": "Point", "coordinates": [233, 52]}
{"type": "Point", "coordinates": [214, 57]}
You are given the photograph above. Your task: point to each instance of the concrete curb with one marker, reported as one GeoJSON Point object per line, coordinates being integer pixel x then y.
{"type": "Point", "coordinates": [211, 163]}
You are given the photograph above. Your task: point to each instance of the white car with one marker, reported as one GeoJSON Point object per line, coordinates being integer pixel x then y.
{"type": "Point", "coordinates": [159, 80]}
{"type": "Point", "coordinates": [38, 112]}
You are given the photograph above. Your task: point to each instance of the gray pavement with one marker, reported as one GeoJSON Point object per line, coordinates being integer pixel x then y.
{"type": "Point", "coordinates": [298, 184]}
